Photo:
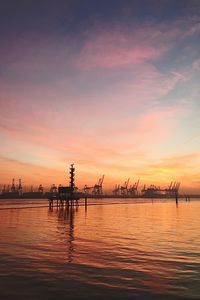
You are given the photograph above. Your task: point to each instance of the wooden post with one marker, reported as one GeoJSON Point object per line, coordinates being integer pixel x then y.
{"type": "Point", "coordinates": [176, 196]}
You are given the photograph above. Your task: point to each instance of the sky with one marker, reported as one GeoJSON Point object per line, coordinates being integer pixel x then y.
{"type": "Point", "coordinates": [112, 86]}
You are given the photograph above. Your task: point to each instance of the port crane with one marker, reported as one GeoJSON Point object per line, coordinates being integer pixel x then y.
{"type": "Point", "coordinates": [13, 186]}
{"type": "Point", "coordinates": [124, 188]}
{"type": "Point", "coordinates": [156, 191]}
{"type": "Point", "coordinates": [53, 189]}
{"type": "Point", "coordinates": [4, 189]}
{"type": "Point", "coordinates": [116, 190]}
{"type": "Point", "coordinates": [20, 188]}
{"type": "Point", "coordinates": [87, 189]}
{"type": "Point", "coordinates": [40, 189]}
{"type": "Point", "coordinates": [133, 190]}
{"type": "Point", "coordinates": [98, 188]}
{"type": "Point", "coordinates": [173, 188]}
{"type": "Point", "coordinates": [16, 188]}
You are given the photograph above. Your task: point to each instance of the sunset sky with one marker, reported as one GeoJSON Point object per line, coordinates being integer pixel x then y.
{"type": "Point", "coordinates": [113, 86]}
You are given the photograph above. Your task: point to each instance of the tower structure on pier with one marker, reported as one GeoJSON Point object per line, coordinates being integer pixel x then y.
{"type": "Point", "coordinates": [72, 180]}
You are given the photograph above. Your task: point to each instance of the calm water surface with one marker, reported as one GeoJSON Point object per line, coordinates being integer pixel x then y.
{"type": "Point", "coordinates": [114, 248]}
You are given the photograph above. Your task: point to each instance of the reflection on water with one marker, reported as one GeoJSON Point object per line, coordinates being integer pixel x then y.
{"type": "Point", "coordinates": [65, 215]}
{"type": "Point", "coordinates": [128, 251]}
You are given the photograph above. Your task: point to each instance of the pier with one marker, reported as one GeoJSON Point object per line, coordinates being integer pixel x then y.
{"type": "Point", "coordinates": [66, 196]}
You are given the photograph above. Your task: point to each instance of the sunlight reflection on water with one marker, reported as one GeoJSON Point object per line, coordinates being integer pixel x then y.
{"type": "Point", "coordinates": [141, 250]}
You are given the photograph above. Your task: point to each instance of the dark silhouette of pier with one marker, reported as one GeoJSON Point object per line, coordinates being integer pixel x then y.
{"type": "Point", "coordinates": [67, 196]}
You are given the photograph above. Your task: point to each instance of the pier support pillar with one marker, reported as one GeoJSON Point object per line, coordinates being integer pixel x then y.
{"type": "Point", "coordinates": [176, 197]}
{"type": "Point", "coordinates": [85, 200]}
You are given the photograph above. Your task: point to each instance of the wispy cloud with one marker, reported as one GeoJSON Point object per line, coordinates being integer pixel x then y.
{"type": "Point", "coordinates": [119, 46]}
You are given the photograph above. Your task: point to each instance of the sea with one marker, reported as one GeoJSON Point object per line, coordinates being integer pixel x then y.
{"type": "Point", "coordinates": [109, 249]}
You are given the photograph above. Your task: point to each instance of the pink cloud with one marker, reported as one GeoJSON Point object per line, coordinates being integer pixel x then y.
{"type": "Point", "coordinates": [121, 46]}
{"type": "Point", "coordinates": [117, 48]}
{"type": "Point", "coordinates": [196, 65]}
{"type": "Point", "coordinates": [49, 126]}
{"type": "Point", "coordinates": [157, 125]}
{"type": "Point", "coordinates": [193, 29]}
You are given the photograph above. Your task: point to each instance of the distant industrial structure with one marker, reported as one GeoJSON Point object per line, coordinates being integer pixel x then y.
{"type": "Point", "coordinates": [125, 190]}
{"type": "Point", "coordinates": [156, 192]}
{"type": "Point", "coordinates": [96, 190]}
{"type": "Point", "coordinates": [18, 191]}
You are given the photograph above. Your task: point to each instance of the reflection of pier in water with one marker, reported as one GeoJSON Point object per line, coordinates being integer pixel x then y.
{"type": "Point", "coordinates": [66, 217]}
